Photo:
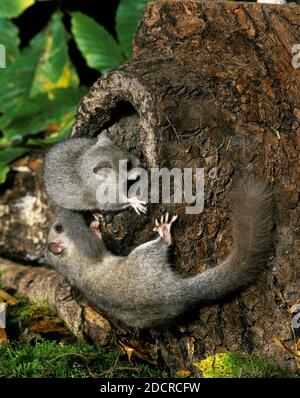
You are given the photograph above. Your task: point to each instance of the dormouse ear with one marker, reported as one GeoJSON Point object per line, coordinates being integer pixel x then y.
{"type": "Point", "coordinates": [103, 139]}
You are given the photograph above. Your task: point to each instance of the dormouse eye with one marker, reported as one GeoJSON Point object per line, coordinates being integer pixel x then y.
{"type": "Point", "coordinates": [58, 228]}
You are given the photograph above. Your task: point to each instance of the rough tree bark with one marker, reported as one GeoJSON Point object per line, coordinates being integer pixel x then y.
{"type": "Point", "coordinates": [215, 82]}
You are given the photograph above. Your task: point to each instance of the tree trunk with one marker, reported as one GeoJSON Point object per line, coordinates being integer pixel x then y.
{"type": "Point", "coordinates": [215, 81]}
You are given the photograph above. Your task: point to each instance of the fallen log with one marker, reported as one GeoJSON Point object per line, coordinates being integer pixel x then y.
{"type": "Point", "coordinates": [44, 285]}
{"type": "Point", "coordinates": [41, 284]}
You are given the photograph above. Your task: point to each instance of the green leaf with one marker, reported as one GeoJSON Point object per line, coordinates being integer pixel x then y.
{"type": "Point", "coordinates": [54, 69]}
{"type": "Point", "coordinates": [7, 155]}
{"type": "Point", "coordinates": [16, 80]}
{"type": "Point", "coordinates": [44, 114]}
{"type": "Point", "coordinates": [63, 132]}
{"type": "Point", "coordinates": [27, 75]}
{"type": "Point", "coordinates": [14, 8]}
{"type": "Point", "coordinates": [128, 16]}
{"type": "Point", "coordinates": [9, 35]}
{"type": "Point", "coordinates": [3, 173]}
{"type": "Point", "coordinates": [99, 48]}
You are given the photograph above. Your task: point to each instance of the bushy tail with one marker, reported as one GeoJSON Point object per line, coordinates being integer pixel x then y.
{"type": "Point", "coordinates": [252, 224]}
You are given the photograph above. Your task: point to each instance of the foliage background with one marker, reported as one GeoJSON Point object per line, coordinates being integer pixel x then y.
{"type": "Point", "coordinates": [54, 51]}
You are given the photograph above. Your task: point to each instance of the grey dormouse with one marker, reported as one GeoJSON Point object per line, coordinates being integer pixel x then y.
{"type": "Point", "coordinates": [141, 289]}
{"type": "Point", "coordinates": [75, 168]}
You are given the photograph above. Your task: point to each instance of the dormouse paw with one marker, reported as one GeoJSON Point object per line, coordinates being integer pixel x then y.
{"type": "Point", "coordinates": [140, 206]}
{"type": "Point", "coordinates": [163, 227]}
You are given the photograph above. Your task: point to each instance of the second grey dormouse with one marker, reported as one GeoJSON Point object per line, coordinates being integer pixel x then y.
{"type": "Point", "coordinates": [75, 168]}
{"type": "Point", "coordinates": [142, 290]}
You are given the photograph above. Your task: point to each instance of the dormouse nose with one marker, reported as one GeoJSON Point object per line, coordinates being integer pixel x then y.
{"type": "Point", "coordinates": [55, 248]}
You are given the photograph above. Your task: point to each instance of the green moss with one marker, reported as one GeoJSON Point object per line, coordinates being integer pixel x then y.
{"type": "Point", "coordinates": [239, 365]}
{"type": "Point", "coordinates": [62, 355]}
{"type": "Point", "coordinates": [20, 315]}
{"type": "Point", "coordinates": [53, 359]}
{"type": "Point", "coordinates": [24, 311]}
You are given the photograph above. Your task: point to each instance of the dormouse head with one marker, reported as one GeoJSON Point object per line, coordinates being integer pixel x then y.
{"type": "Point", "coordinates": [106, 166]}
{"type": "Point", "coordinates": [70, 240]}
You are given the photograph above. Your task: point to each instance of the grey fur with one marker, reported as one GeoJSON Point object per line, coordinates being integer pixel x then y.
{"type": "Point", "coordinates": [141, 289]}
{"type": "Point", "coordinates": [69, 172]}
